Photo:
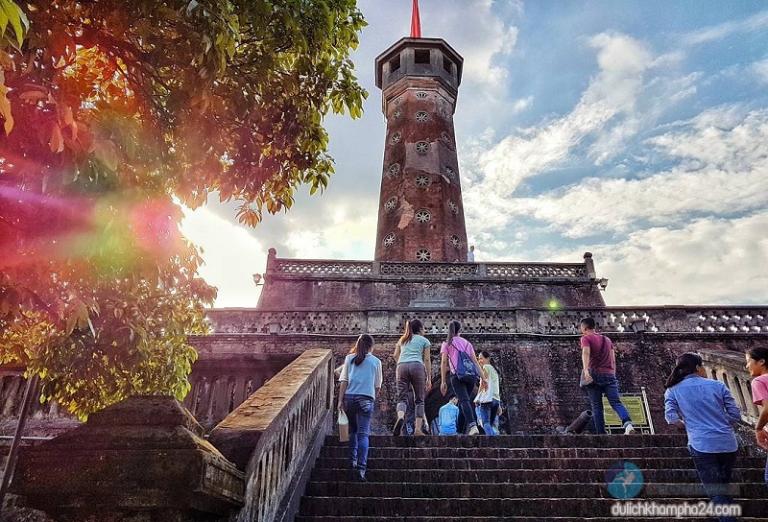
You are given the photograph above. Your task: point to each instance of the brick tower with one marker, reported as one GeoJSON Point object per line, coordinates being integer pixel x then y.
{"type": "Point", "coordinates": [421, 215]}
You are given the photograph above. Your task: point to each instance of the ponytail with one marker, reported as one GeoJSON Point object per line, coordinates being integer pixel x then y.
{"type": "Point", "coordinates": [454, 327]}
{"type": "Point", "coordinates": [362, 347]}
{"type": "Point", "coordinates": [412, 327]}
{"type": "Point", "coordinates": [687, 364]}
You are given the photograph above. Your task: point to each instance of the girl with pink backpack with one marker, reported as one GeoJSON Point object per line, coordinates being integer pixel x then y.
{"type": "Point", "coordinates": [457, 357]}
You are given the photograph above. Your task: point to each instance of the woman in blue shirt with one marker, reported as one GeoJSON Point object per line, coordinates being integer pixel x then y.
{"type": "Point", "coordinates": [414, 370]}
{"type": "Point", "coordinates": [706, 409]}
{"type": "Point", "coordinates": [360, 381]}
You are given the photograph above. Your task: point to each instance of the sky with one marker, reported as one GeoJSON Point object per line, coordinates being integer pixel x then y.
{"type": "Point", "coordinates": [634, 130]}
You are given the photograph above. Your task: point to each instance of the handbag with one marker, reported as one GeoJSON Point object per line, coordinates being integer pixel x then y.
{"type": "Point", "coordinates": [343, 422]}
{"type": "Point", "coordinates": [582, 382]}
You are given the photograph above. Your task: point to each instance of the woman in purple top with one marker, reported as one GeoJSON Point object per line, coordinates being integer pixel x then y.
{"type": "Point", "coordinates": [464, 386]}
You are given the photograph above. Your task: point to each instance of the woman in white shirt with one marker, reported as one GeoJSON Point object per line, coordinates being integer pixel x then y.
{"type": "Point", "coordinates": [488, 398]}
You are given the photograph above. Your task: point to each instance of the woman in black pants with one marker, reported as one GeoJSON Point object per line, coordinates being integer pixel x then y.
{"type": "Point", "coordinates": [457, 356]}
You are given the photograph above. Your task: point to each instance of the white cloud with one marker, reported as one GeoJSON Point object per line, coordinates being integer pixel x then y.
{"type": "Point", "coordinates": [761, 70]}
{"type": "Point", "coordinates": [716, 261]}
{"type": "Point", "coordinates": [477, 33]}
{"type": "Point", "coordinates": [722, 168]}
{"type": "Point", "coordinates": [232, 255]}
{"type": "Point", "coordinates": [755, 22]}
{"type": "Point", "coordinates": [522, 104]}
{"type": "Point", "coordinates": [622, 61]}
{"type": "Point", "coordinates": [343, 232]}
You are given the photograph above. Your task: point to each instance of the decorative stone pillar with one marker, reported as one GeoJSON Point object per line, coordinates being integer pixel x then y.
{"type": "Point", "coordinates": [141, 460]}
{"type": "Point", "coordinates": [590, 264]}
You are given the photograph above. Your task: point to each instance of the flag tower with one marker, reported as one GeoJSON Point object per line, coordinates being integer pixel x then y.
{"type": "Point", "coordinates": [421, 213]}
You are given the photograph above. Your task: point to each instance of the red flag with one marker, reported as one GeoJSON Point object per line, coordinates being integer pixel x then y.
{"type": "Point", "coordinates": [415, 21]}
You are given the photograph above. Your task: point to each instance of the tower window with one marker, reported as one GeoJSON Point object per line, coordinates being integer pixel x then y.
{"type": "Point", "coordinates": [396, 137]}
{"type": "Point", "coordinates": [422, 181]}
{"type": "Point", "coordinates": [421, 95]}
{"type": "Point", "coordinates": [394, 64]}
{"type": "Point", "coordinates": [447, 64]}
{"type": "Point", "coordinates": [422, 147]}
{"type": "Point", "coordinates": [455, 241]}
{"type": "Point", "coordinates": [422, 116]}
{"type": "Point", "coordinates": [389, 240]}
{"type": "Point", "coordinates": [423, 255]}
{"type": "Point", "coordinates": [393, 170]}
{"type": "Point", "coordinates": [423, 216]}
{"type": "Point", "coordinates": [422, 56]}
{"type": "Point", "coordinates": [391, 204]}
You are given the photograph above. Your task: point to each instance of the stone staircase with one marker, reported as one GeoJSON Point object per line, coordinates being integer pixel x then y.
{"type": "Point", "coordinates": [543, 477]}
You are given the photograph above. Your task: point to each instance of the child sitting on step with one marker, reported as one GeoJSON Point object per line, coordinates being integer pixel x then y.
{"type": "Point", "coordinates": [449, 417]}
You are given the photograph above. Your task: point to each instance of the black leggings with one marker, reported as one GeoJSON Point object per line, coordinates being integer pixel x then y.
{"type": "Point", "coordinates": [463, 389]}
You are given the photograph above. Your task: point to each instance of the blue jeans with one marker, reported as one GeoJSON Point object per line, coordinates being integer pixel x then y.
{"type": "Point", "coordinates": [359, 410]}
{"type": "Point", "coordinates": [463, 388]}
{"type": "Point", "coordinates": [605, 383]}
{"type": "Point", "coordinates": [714, 471]}
{"type": "Point", "coordinates": [766, 472]}
{"type": "Point", "coordinates": [487, 413]}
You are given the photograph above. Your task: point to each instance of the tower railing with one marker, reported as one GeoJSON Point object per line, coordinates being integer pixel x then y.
{"type": "Point", "coordinates": [690, 320]}
{"type": "Point", "coordinates": [332, 269]}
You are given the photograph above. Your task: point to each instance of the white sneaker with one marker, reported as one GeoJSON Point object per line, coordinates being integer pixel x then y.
{"type": "Point", "coordinates": [629, 429]}
{"type": "Point", "coordinates": [474, 431]}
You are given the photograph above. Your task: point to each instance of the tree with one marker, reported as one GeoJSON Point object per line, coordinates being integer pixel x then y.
{"type": "Point", "coordinates": [114, 112]}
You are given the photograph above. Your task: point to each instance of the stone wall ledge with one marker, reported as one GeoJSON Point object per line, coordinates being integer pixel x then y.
{"type": "Point", "coordinates": [144, 456]}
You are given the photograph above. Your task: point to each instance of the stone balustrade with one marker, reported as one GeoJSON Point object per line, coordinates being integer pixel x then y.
{"type": "Point", "coordinates": [730, 369]}
{"type": "Point", "coordinates": [45, 420]}
{"type": "Point", "coordinates": [714, 321]}
{"type": "Point", "coordinates": [276, 433]}
{"type": "Point", "coordinates": [219, 386]}
{"type": "Point", "coordinates": [329, 269]}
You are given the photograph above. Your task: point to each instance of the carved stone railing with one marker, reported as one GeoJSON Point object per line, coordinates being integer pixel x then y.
{"type": "Point", "coordinates": [44, 419]}
{"type": "Point", "coordinates": [220, 386]}
{"type": "Point", "coordinates": [331, 269]}
{"type": "Point", "coordinates": [536, 271]}
{"type": "Point", "coordinates": [665, 319]}
{"type": "Point", "coordinates": [320, 268]}
{"type": "Point", "coordinates": [729, 368]}
{"type": "Point", "coordinates": [276, 435]}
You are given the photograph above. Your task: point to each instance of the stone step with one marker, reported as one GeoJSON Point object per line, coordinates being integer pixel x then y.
{"type": "Point", "coordinates": [496, 453]}
{"type": "Point", "coordinates": [485, 508]}
{"type": "Point", "coordinates": [523, 463]}
{"type": "Point", "coordinates": [517, 490]}
{"type": "Point", "coordinates": [523, 441]}
{"type": "Point", "coordinates": [552, 475]}
{"type": "Point", "coordinates": [355, 518]}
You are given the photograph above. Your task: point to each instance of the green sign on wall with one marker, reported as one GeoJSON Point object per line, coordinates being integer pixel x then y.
{"type": "Point", "coordinates": [635, 407]}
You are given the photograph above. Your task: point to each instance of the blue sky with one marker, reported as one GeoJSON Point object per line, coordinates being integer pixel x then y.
{"type": "Point", "coordinates": [635, 130]}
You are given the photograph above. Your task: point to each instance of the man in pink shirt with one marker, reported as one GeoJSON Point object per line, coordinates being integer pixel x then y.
{"type": "Point", "coordinates": [599, 376]}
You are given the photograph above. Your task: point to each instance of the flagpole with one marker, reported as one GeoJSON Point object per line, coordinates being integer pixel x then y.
{"type": "Point", "coordinates": [415, 20]}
